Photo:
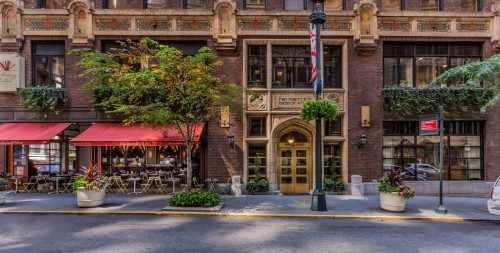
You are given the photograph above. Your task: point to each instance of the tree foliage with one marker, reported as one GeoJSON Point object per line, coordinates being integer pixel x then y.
{"type": "Point", "coordinates": [43, 100]}
{"type": "Point", "coordinates": [148, 83]}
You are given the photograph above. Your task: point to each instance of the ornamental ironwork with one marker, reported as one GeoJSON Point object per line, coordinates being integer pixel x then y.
{"type": "Point", "coordinates": [46, 24]}
{"type": "Point", "coordinates": [143, 24]}
{"type": "Point", "coordinates": [112, 24]}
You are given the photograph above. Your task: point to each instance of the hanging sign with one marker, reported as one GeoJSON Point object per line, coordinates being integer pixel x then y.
{"type": "Point", "coordinates": [428, 125]}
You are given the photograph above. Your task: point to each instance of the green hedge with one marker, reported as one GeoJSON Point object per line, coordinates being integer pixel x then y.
{"type": "Point", "coordinates": [195, 199]}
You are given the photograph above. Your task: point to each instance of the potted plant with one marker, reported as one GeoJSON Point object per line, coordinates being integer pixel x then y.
{"type": "Point", "coordinates": [90, 188]}
{"type": "Point", "coordinates": [393, 191]}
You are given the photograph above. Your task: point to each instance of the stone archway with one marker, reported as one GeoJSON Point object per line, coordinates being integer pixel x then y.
{"type": "Point", "coordinates": [279, 147]}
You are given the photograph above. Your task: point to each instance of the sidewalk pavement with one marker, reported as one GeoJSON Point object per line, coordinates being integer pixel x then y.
{"type": "Point", "coordinates": [339, 207]}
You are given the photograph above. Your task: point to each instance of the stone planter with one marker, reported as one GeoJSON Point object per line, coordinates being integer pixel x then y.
{"type": "Point", "coordinates": [392, 202]}
{"type": "Point", "coordinates": [90, 198]}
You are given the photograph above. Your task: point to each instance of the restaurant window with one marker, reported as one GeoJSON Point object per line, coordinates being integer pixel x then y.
{"type": "Point", "coordinates": [48, 63]}
{"type": "Point", "coordinates": [419, 155]}
{"type": "Point", "coordinates": [291, 67]}
{"type": "Point", "coordinates": [295, 5]}
{"type": "Point", "coordinates": [257, 160]}
{"type": "Point", "coordinates": [332, 58]}
{"type": "Point", "coordinates": [256, 66]}
{"type": "Point", "coordinates": [195, 4]}
{"type": "Point", "coordinates": [255, 4]}
{"type": "Point", "coordinates": [333, 161]}
{"type": "Point", "coordinates": [333, 128]}
{"type": "Point", "coordinates": [45, 158]}
{"type": "Point", "coordinates": [257, 126]}
{"type": "Point", "coordinates": [418, 64]}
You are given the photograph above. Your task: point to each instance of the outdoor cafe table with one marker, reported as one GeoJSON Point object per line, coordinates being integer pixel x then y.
{"type": "Point", "coordinates": [173, 180]}
{"type": "Point", "coordinates": [56, 179]}
{"type": "Point", "coordinates": [134, 180]}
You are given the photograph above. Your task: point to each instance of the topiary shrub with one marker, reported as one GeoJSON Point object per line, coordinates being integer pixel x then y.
{"type": "Point", "coordinates": [195, 199]}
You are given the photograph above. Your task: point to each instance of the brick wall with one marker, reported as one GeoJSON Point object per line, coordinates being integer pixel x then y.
{"type": "Point", "coordinates": [365, 84]}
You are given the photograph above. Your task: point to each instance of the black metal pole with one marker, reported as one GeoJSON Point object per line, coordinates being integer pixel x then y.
{"type": "Point", "coordinates": [441, 208]}
{"type": "Point", "coordinates": [318, 203]}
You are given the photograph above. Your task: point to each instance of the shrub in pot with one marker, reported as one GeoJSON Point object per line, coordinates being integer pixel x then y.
{"type": "Point", "coordinates": [195, 199]}
{"type": "Point", "coordinates": [393, 191]}
{"type": "Point", "coordinates": [90, 188]}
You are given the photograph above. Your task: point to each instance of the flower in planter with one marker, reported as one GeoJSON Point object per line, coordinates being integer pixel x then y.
{"type": "Point", "coordinates": [393, 182]}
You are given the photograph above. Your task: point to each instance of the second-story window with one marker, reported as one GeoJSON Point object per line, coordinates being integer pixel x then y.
{"type": "Point", "coordinates": [195, 4]}
{"type": "Point", "coordinates": [48, 63]}
{"type": "Point", "coordinates": [332, 59]}
{"type": "Point", "coordinates": [392, 5]}
{"type": "Point", "coordinates": [418, 64]}
{"type": "Point", "coordinates": [258, 4]}
{"type": "Point", "coordinates": [295, 5]}
{"type": "Point", "coordinates": [462, 5]}
{"type": "Point", "coordinates": [256, 66]}
{"type": "Point", "coordinates": [291, 66]}
{"type": "Point", "coordinates": [51, 4]}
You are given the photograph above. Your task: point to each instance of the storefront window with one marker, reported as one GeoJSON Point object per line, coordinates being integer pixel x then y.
{"type": "Point", "coordinates": [419, 155]}
{"type": "Point", "coordinates": [45, 158]}
{"type": "Point", "coordinates": [48, 63]}
{"type": "Point", "coordinates": [333, 161]}
{"type": "Point", "coordinates": [257, 66]}
{"type": "Point", "coordinates": [418, 64]}
{"type": "Point", "coordinates": [257, 160]}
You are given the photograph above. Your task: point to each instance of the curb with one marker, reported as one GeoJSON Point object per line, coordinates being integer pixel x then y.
{"type": "Point", "coordinates": [445, 218]}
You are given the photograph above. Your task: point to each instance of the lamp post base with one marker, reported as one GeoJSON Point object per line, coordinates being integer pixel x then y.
{"type": "Point", "coordinates": [318, 201]}
{"type": "Point", "coordinates": [441, 210]}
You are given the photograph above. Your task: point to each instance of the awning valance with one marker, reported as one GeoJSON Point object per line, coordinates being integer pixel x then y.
{"type": "Point", "coordinates": [115, 134]}
{"type": "Point", "coordinates": [30, 133]}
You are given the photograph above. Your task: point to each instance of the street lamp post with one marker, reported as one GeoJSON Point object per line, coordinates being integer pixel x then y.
{"type": "Point", "coordinates": [318, 18]}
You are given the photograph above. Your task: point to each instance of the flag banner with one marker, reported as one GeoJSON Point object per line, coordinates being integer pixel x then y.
{"type": "Point", "coordinates": [314, 54]}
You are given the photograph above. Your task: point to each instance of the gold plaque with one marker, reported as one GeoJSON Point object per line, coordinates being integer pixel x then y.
{"type": "Point", "coordinates": [224, 116]}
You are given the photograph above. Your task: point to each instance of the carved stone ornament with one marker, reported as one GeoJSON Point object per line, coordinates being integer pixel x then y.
{"type": "Point", "coordinates": [80, 21]}
{"type": "Point", "coordinates": [257, 102]}
{"type": "Point", "coordinates": [8, 22]}
{"type": "Point", "coordinates": [366, 32]}
{"type": "Point", "coordinates": [225, 24]}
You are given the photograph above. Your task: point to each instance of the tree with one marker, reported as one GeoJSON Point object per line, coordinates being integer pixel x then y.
{"type": "Point", "coordinates": [152, 84]}
{"type": "Point", "coordinates": [486, 72]}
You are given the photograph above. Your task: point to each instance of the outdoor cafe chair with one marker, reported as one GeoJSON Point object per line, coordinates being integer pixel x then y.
{"type": "Point", "coordinates": [31, 185]}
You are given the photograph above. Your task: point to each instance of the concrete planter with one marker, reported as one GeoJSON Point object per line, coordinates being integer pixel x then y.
{"type": "Point", "coordinates": [392, 202]}
{"type": "Point", "coordinates": [89, 198]}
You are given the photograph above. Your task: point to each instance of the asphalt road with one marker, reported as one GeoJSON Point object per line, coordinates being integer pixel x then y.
{"type": "Point", "coordinates": [122, 234]}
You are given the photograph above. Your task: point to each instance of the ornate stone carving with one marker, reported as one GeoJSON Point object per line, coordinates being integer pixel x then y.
{"type": "Point", "coordinates": [255, 24]}
{"type": "Point", "coordinates": [293, 24]}
{"type": "Point", "coordinates": [225, 24]}
{"type": "Point", "coordinates": [293, 101]}
{"type": "Point", "coordinates": [338, 24]}
{"type": "Point", "coordinates": [473, 25]}
{"type": "Point", "coordinates": [153, 24]}
{"type": "Point", "coordinates": [193, 24]}
{"type": "Point", "coordinates": [8, 23]}
{"type": "Point", "coordinates": [257, 102]}
{"type": "Point", "coordinates": [433, 25]}
{"type": "Point", "coordinates": [80, 24]}
{"type": "Point", "coordinates": [394, 24]}
{"type": "Point", "coordinates": [366, 33]}
{"type": "Point", "coordinates": [112, 24]}
{"type": "Point", "coordinates": [47, 23]}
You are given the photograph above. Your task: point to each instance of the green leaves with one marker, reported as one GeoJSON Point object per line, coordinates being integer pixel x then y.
{"type": "Point", "coordinates": [195, 199]}
{"type": "Point", "coordinates": [43, 100]}
{"type": "Point", "coordinates": [318, 109]}
{"type": "Point", "coordinates": [404, 102]}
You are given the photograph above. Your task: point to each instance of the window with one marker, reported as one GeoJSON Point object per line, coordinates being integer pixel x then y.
{"type": "Point", "coordinates": [334, 5]}
{"type": "Point", "coordinates": [429, 5]}
{"type": "Point", "coordinates": [195, 4]}
{"type": "Point", "coordinates": [256, 126]}
{"type": "Point", "coordinates": [72, 158]}
{"type": "Point", "coordinates": [333, 128]}
{"type": "Point", "coordinates": [255, 4]}
{"type": "Point", "coordinates": [333, 161]}
{"type": "Point", "coordinates": [418, 64]}
{"type": "Point", "coordinates": [51, 4]}
{"type": "Point", "coordinates": [256, 160]}
{"type": "Point", "coordinates": [291, 67]}
{"type": "Point", "coordinates": [391, 5]}
{"type": "Point", "coordinates": [295, 5]}
{"type": "Point", "coordinates": [45, 158]}
{"type": "Point", "coordinates": [419, 155]}
{"type": "Point", "coordinates": [256, 66]}
{"type": "Point", "coordinates": [462, 5]}
{"type": "Point", "coordinates": [48, 63]}
{"type": "Point", "coordinates": [332, 58]}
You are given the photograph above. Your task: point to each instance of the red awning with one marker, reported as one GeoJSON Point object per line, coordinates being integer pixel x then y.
{"type": "Point", "coordinates": [115, 134]}
{"type": "Point", "coordinates": [30, 133]}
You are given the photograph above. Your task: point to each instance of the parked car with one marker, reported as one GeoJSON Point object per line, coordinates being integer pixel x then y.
{"type": "Point", "coordinates": [494, 201]}
{"type": "Point", "coordinates": [424, 171]}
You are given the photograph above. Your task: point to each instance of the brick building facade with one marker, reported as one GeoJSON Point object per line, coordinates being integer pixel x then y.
{"type": "Point", "coordinates": [262, 44]}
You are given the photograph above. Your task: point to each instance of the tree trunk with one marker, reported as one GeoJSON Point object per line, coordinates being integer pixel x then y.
{"type": "Point", "coordinates": [189, 168]}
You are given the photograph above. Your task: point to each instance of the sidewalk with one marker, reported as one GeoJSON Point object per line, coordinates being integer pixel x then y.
{"type": "Point", "coordinates": [344, 206]}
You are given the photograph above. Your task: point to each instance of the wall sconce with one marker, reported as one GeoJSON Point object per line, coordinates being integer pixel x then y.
{"type": "Point", "coordinates": [291, 141]}
{"type": "Point", "coordinates": [230, 140]}
{"type": "Point", "coordinates": [363, 140]}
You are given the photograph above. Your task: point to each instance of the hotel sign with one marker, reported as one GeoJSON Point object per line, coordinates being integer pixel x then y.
{"type": "Point", "coordinates": [11, 72]}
